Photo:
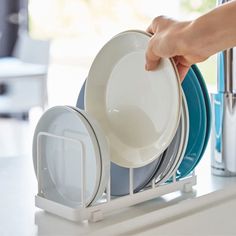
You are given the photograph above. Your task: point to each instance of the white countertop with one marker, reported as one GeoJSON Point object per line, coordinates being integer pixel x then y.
{"type": "Point", "coordinates": [19, 216]}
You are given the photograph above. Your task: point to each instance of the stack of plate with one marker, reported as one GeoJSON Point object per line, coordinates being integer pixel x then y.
{"type": "Point", "coordinates": [199, 108]}
{"type": "Point", "coordinates": [189, 142]}
{"type": "Point", "coordinates": [70, 154]}
{"type": "Point", "coordinates": [132, 119]}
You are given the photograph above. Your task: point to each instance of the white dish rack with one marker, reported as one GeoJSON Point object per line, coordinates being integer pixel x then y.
{"type": "Point", "coordinates": [108, 203]}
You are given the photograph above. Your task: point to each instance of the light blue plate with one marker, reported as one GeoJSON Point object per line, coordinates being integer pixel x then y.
{"type": "Point", "coordinates": [208, 109]}
{"type": "Point", "coordinates": [197, 124]}
{"type": "Point", "coordinates": [120, 175]}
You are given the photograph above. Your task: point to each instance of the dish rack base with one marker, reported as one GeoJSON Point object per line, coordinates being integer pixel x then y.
{"type": "Point", "coordinates": [101, 209]}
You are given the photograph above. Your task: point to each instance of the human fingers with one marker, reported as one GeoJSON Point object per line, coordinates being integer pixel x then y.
{"type": "Point", "coordinates": [182, 70]}
{"type": "Point", "coordinates": [151, 65]}
{"type": "Point", "coordinates": [158, 22]}
{"type": "Point", "coordinates": [182, 66]}
{"type": "Point", "coordinates": [150, 29]}
{"type": "Point", "coordinates": [152, 60]}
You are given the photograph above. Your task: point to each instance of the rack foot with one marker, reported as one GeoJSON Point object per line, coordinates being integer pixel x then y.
{"type": "Point", "coordinates": [96, 216]}
{"type": "Point", "coordinates": [187, 188]}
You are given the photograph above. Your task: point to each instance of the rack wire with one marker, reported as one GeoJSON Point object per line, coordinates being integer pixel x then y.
{"type": "Point", "coordinates": [107, 204]}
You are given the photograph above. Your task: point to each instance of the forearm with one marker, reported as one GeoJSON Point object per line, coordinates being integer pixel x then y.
{"type": "Point", "coordinates": [190, 42]}
{"type": "Point", "coordinates": [213, 31]}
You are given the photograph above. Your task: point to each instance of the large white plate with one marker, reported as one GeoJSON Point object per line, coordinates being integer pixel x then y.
{"type": "Point", "coordinates": [61, 165]}
{"type": "Point", "coordinates": [138, 110]}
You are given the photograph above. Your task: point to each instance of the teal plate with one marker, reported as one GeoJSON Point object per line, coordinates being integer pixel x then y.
{"type": "Point", "coordinates": [197, 124]}
{"type": "Point", "coordinates": [208, 108]}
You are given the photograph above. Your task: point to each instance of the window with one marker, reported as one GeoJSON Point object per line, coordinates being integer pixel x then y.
{"type": "Point", "coordinates": [79, 28]}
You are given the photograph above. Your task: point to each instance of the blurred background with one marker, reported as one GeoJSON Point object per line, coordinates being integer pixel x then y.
{"type": "Point", "coordinates": [47, 47]}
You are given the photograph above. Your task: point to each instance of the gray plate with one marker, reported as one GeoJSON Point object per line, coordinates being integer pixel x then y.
{"type": "Point", "coordinates": [142, 176]}
{"type": "Point", "coordinates": [170, 155]}
{"type": "Point", "coordinates": [175, 154]}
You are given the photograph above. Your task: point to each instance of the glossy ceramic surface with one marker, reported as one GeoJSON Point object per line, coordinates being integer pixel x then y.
{"type": "Point", "coordinates": [139, 111]}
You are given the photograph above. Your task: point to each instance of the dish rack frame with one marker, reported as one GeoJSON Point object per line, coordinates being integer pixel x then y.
{"type": "Point", "coordinates": [107, 204]}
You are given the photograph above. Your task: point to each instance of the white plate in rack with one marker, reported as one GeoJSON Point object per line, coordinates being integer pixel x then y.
{"type": "Point", "coordinates": [60, 162]}
{"type": "Point", "coordinates": [138, 110]}
{"type": "Point", "coordinates": [104, 151]}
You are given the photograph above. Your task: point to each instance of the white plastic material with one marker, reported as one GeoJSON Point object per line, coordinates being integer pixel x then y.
{"type": "Point", "coordinates": [106, 205]}
{"type": "Point", "coordinates": [62, 139]}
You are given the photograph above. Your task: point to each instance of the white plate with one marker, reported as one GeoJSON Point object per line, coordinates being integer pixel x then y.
{"type": "Point", "coordinates": [138, 110]}
{"type": "Point", "coordinates": [61, 160]}
{"type": "Point", "coordinates": [104, 151]}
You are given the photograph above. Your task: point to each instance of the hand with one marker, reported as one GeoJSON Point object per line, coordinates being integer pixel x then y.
{"type": "Point", "coordinates": [170, 40]}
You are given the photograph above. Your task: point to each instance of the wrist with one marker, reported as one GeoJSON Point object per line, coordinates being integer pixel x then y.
{"type": "Point", "coordinates": [203, 37]}
{"type": "Point", "coordinates": [184, 38]}
{"type": "Point", "coordinates": [214, 31]}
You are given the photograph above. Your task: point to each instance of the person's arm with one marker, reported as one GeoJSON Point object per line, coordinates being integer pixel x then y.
{"type": "Point", "coordinates": [190, 42]}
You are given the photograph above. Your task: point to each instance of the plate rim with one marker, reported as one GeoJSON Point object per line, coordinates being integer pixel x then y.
{"type": "Point", "coordinates": [103, 151]}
